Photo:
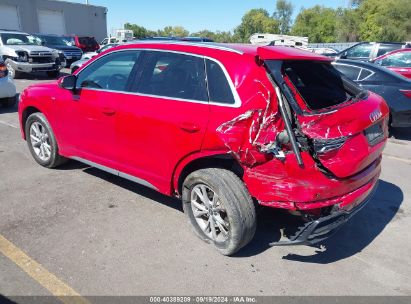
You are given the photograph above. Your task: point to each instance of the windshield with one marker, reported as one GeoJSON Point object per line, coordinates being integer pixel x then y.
{"type": "Point", "coordinates": [319, 83]}
{"type": "Point", "coordinates": [54, 40]}
{"type": "Point", "coordinates": [18, 39]}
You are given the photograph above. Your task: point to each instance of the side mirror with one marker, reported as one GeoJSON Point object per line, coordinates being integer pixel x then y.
{"type": "Point", "coordinates": [343, 55]}
{"type": "Point", "coordinates": [68, 82]}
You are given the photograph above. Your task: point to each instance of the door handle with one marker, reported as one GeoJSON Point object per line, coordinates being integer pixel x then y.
{"type": "Point", "coordinates": [189, 127]}
{"type": "Point", "coordinates": [108, 111]}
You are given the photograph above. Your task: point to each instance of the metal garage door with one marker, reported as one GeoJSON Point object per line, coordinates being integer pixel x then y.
{"type": "Point", "coordinates": [9, 17]}
{"type": "Point", "coordinates": [51, 22]}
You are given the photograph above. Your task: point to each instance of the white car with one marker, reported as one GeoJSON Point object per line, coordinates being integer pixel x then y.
{"type": "Point", "coordinates": [7, 87]}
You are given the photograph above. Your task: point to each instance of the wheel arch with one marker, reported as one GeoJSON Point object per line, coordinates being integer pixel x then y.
{"type": "Point", "coordinates": [25, 114]}
{"type": "Point", "coordinates": [220, 159]}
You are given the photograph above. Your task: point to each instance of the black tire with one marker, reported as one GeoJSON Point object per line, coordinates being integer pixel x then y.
{"type": "Point", "coordinates": [234, 198]}
{"type": "Point", "coordinates": [53, 74]}
{"type": "Point", "coordinates": [9, 102]}
{"type": "Point", "coordinates": [55, 159]}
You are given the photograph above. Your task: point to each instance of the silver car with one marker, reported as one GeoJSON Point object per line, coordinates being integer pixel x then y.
{"type": "Point", "coordinates": [22, 54]}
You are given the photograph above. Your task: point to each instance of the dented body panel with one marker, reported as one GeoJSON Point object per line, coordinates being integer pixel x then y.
{"type": "Point", "coordinates": [339, 165]}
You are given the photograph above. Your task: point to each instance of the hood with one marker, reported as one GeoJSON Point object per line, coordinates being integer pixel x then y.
{"type": "Point", "coordinates": [30, 48]}
{"type": "Point", "coordinates": [63, 47]}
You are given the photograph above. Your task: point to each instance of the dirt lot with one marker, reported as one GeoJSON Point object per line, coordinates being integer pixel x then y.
{"type": "Point", "coordinates": [102, 235]}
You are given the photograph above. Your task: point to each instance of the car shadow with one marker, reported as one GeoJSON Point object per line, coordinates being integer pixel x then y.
{"type": "Point", "coordinates": [128, 185]}
{"type": "Point", "coordinates": [13, 109]}
{"type": "Point", "coordinates": [272, 224]}
{"type": "Point", "coordinates": [352, 238]}
{"type": "Point", "coordinates": [41, 76]}
{"type": "Point", "coordinates": [402, 133]}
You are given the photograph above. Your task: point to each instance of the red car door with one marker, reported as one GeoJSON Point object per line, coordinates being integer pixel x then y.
{"type": "Point", "coordinates": [165, 120]}
{"type": "Point", "coordinates": [91, 125]}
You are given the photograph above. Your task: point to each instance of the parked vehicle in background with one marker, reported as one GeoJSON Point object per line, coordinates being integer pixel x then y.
{"type": "Point", "coordinates": [182, 124]}
{"type": "Point", "coordinates": [366, 51]}
{"type": "Point", "coordinates": [71, 53]}
{"type": "Point", "coordinates": [394, 88]}
{"type": "Point", "coordinates": [329, 52]}
{"type": "Point", "coordinates": [279, 40]}
{"type": "Point", "coordinates": [7, 87]}
{"type": "Point", "coordinates": [87, 56]}
{"type": "Point", "coordinates": [108, 40]}
{"type": "Point", "coordinates": [196, 39]}
{"type": "Point", "coordinates": [398, 61]}
{"type": "Point", "coordinates": [22, 54]}
{"type": "Point", "coordinates": [85, 43]}
{"type": "Point", "coordinates": [124, 35]}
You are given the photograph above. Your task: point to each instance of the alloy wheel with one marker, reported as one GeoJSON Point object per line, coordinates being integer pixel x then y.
{"type": "Point", "coordinates": [40, 141]}
{"type": "Point", "coordinates": [209, 213]}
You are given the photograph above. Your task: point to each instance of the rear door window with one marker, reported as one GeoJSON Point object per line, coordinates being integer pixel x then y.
{"type": "Point", "coordinates": [218, 85]}
{"type": "Point", "coordinates": [318, 83]}
{"type": "Point", "coordinates": [349, 71]}
{"type": "Point", "coordinates": [385, 48]}
{"type": "Point", "coordinates": [173, 75]}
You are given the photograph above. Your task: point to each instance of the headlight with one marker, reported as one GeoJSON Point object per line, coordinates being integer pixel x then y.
{"type": "Point", "coordinates": [22, 56]}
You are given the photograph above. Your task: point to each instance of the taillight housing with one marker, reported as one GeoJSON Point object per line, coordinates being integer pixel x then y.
{"type": "Point", "coordinates": [3, 70]}
{"type": "Point", "coordinates": [407, 93]}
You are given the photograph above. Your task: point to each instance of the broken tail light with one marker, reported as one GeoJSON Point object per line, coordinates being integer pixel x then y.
{"type": "Point", "coordinates": [322, 146]}
{"type": "Point", "coordinates": [407, 93]}
{"type": "Point", "coordinates": [3, 70]}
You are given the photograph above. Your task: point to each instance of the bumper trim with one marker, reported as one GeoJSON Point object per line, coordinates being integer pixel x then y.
{"type": "Point", "coordinates": [322, 228]}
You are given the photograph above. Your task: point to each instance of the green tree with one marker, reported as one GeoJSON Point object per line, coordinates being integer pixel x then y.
{"type": "Point", "coordinates": [388, 20]}
{"type": "Point", "coordinates": [138, 31]}
{"type": "Point", "coordinates": [317, 23]}
{"type": "Point", "coordinates": [347, 25]}
{"type": "Point", "coordinates": [283, 13]}
{"type": "Point", "coordinates": [174, 31]}
{"type": "Point", "coordinates": [255, 21]}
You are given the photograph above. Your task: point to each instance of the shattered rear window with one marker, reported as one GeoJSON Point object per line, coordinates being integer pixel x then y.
{"type": "Point", "coordinates": [319, 83]}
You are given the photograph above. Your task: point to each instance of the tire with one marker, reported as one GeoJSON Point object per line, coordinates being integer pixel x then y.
{"type": "Point", "coordinates": [12, 72]}
{"type": "Point", "coordinates": [234, 206]}
{"type": "Point", "coordinates": [45, 144]}
{"type": "Point", "coordinates": [8, 102]}
{"type": "Point", "coordinates": [53, 74]}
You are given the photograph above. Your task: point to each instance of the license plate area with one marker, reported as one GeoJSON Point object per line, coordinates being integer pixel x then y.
{"type": "Point", "coordinates": [374, 134]}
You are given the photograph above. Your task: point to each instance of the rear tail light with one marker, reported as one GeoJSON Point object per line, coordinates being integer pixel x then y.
{"type": "Point", "coordinates": [407, 93]}
{"type": "Point", "coordinates": [3, 70]}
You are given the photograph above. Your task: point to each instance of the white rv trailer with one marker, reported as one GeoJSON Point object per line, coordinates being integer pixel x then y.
{"type": "Point", "coordinates": [283, 40]}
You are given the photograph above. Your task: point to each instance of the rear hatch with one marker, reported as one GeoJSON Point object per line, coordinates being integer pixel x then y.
{"type": "Point", "coordinates": [346, 126]}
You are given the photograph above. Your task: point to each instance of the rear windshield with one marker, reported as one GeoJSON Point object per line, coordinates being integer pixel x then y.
{"type": "Point", "coordinates": [319, 83]}
{"type": "Point", "coordinates": [87, 40]}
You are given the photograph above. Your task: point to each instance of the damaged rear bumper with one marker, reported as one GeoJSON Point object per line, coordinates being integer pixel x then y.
{"type": "Point", "coordinates": [320, 229]}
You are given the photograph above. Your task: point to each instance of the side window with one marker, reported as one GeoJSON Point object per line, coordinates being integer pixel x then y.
{"type": "Point", "coordinates": [364, 74]}
{"type": "Point", "coordinates": [111, 72]}
{"type": "Point", "coordinates": [173, 75]}
{"type": "Point", "coordinates": [349, 71]}
{"type": "Point", "coordinates": [218, 87]}
{"type": "Point", "coordinates": [397, 60]}
{"type": "Point", "coordinates": [362, 50]}
{"type": "Point", "coordinates": [385, 48]}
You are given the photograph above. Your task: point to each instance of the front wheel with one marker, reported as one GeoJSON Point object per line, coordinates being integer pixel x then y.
{"type": "Point", "coordinates": [42, 142]}
{"type": "Point", "coordinates": [220, 209]}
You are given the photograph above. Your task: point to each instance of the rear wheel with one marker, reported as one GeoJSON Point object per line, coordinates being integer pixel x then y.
{"type": "Point", "coordinates": [220, 209]}
{"type": "Point", "coordinates": [42, 142]}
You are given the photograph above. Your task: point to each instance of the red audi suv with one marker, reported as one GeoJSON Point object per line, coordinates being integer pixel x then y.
{"type": "Point", "coordinates": [224, 127]}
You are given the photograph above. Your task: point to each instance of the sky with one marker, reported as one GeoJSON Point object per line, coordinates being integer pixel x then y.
{"type": "Point", "coordinates": [222, 15]}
